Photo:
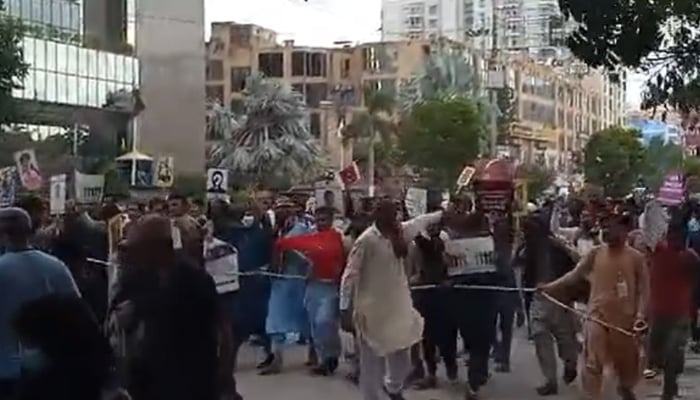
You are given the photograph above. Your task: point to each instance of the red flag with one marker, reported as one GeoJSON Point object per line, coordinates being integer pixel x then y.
{"type": "Point", "coordinates": [349, 174]}
{"type": "Point", "coordinates": [323, 249]}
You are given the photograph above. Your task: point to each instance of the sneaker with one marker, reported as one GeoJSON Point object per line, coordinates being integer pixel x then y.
{"type": "Point", "coordinates": [502, 368]}
{"type": "Point", "coordinates": [626, 394]}
{"type": "Point", "coordinates": [429, 382]}
{"type": "Point", "coordinates": [649, 373]}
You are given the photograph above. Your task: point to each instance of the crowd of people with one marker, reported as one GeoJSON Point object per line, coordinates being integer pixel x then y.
{"type": "Point", "coordinates": [162, 311]}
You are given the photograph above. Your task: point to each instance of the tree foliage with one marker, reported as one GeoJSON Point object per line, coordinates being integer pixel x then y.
{"type": "Point", "coordinates": [445, 73]}
{"type": "Point", "coordinates": [373, 126]}
{"type": "Point", "coordinates": [614, 160]}
{"type": "Point", "coordinates": [660, 37]}
{"type": "Point", "coordinates": [538, 179]}
{"type": "Point", "coordinates": [13, 69]}
{"type": "Point", "coordinates": [660, 158]}
{"type": "Point", "coordinates": [270, 138]}
{"type": "Point", "coordinates": [441, 136]}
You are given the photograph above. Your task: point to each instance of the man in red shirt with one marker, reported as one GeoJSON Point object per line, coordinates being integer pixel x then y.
{"type": "Point", "coordinates": [671, 283]}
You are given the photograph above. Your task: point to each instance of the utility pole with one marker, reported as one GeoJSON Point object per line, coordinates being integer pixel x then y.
{"type": "Point", "coordinates": [495, 79]}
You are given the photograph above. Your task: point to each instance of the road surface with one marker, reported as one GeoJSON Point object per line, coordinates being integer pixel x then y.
{"type": "Point", "coordinates": [295, 383]}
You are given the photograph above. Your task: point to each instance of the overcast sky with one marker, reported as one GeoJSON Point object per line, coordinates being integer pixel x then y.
{"type": "Point", "coordinates": [321, 22]}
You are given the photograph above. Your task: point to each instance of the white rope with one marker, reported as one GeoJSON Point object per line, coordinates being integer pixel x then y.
{"type": "Point", "coordinates": [580, 314]}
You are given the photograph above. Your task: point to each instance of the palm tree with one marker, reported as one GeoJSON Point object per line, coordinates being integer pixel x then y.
{"type": "Point", "coordinates": [270, 138]}
{"type": "Point", "coordinates": [372, 123]}
{"type": "Point", "coordinates": [221, 121]}
{"type": "Point", "coordinates": [445, 73]}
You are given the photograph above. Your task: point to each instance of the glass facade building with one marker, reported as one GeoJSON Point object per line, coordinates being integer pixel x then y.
{"type": "Point", "coordinates": [64, 16]}
{"type": "Point", "coordinates": [68, 74]}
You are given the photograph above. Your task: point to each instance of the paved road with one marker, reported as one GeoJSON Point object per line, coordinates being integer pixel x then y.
{"type": "Point", "coordinates": [296, 384]}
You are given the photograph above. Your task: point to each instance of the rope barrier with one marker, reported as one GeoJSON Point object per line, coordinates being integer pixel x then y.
{"type": "Point", "coordinates": [580, 314]}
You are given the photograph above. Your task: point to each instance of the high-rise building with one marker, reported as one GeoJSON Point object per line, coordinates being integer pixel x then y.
{"type": "Point", "coordinates": [80, 51]}
{"type": "Point", "coordinates": [532, 25]}
{"type": "Point", "coordinates": [70, 76]}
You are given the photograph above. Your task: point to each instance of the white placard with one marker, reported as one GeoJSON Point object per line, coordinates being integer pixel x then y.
{"type": "Point", "coordinates": [217, 183]}
{"type": "Point", "coordinates": [470, 255]}
{"type": "Point", "coordinates": [89, 189]}
{"type": "Point", "coordinates": [416, 201]}
{"type": "Point", "coordinates": [329, 193]}
{"type": "Point", "coordinates": [57, 201]}
{"type": "Point", "coordinates": [221, 262]}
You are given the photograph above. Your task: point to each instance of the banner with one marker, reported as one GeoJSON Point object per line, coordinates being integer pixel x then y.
{"type": "Point", "coordinates": [416, 202]}
{"type": "Point", "coordinates": [221, 263]}
{"type": "Point", "coordinates": [89, 188]}
{"type": "Point", "coordinates": [165, 172]}
{"type": "Point", "coordinates": [57, 200]}
{"type": "Point", "coordinates": [7, 186]}
{"type": "Point", "coordinates": [672, 191]}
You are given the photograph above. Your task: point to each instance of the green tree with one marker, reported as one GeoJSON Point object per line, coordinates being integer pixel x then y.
{"type": "Point", "coordinates": [539, 178]}
{"type": "Point", "coordinates": [13, 69]}
{"type": "Point", "coordinates": [660, 158]}
{"type": "Point", "coordinates": [660, 37]}
{"type": "Point", "coordinates": [271, 137]}
{"type": "Point", "coordinates": [371, 130]}
{"type": "Point", "coordinates": [441, 136]}
{"type": "Point", "coordinates": [445, 73]}
{"type": "Point", "coordinates": [614, 160]}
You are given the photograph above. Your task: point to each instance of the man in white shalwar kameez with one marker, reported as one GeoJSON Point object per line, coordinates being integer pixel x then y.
{"type": "Point", "coordinates": [375, 287]}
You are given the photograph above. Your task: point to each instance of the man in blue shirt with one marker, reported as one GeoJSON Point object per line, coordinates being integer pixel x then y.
{"type": "Point", "coordinates": [25, 275]}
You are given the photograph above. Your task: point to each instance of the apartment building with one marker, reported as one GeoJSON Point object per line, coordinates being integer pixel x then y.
{"type": "Point", "coordinates": [534, 26]}
{"type": "Point", "coordinates": [556, 110]}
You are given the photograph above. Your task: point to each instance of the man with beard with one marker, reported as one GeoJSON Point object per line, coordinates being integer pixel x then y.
{"type": "Point", "coordinates": [383, 317]}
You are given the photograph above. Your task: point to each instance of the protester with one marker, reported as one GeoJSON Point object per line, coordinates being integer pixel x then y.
{"type": "Point", "coordinates": [426, 266]}
{"type": "Point", "coordinates": [673, 271]}
{"type": "Point", "coordinates": [25, 275]}
{"type": "Point", "coordinates": [286, 314]}
{"type": "Point", "coordinates": [375, 283]}
{"type": "Point", "coordinates": [173, 306]}
{"type": "Point", "coordinates": [64, 354]}
{"type": "Point", "coordinates": [545, 260]}
{"type": "Point", "coordinates": [619, 295]}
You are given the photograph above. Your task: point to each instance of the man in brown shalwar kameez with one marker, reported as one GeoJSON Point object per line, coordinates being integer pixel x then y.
{"type": "Point", "coordinates": [619, 294]}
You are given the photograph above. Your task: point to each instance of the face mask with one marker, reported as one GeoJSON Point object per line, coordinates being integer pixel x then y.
{"type": "Point", "coordinates": [248, 220]}
{"type": "Point", "coordinates": [33, 359]}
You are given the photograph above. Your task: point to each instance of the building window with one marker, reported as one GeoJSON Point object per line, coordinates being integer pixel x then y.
{"type": "Point", "coordinates": [215, 92]}
{"type": "Point", "coordinates": [315, 94]}
{"type": "Point", "coordinates": [414, 22]}
{"type": "Point", "coordinates": [239, 76]}
{"type": "Point", "coordinates": [345, 69]}
{"type": "Point", "coordinates": [215, 70]}
{"type": "Point", "coordinates": [433, 9]}
{"type": "Point", "coordinates": [271, 64]}
{"type": "Point", "coordinates": [315, 124]}
{"type": "Point", "coordinates": [316, 64]}
{"type": "Point", "coordinates": [298, 63]}
{"type": "Point", "coordinates": [432, 23]}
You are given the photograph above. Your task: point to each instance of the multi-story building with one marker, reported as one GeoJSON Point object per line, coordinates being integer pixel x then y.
{"type": "Point", "coordinates": [555, 111]}
{"type": "Point", "coordinates": [68, 82]}
{"type": "Point", "coordinates": [79, 51]}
